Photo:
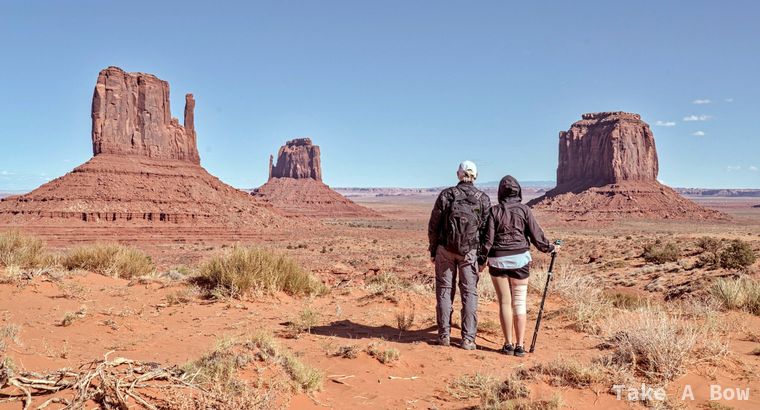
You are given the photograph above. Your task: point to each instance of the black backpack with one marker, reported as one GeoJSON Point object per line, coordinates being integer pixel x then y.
{"type": "Point", "coordinates": [463, 222]}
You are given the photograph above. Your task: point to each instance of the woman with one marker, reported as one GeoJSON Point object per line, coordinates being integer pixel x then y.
{"type": "Point", "coordinates": [510, 229]}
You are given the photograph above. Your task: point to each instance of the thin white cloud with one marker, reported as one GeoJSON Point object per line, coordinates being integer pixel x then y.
{"type": "Point", "coordinates": [732, 168]}
{"type": "Point", "coordinates": [753, 168]}
{"type": "Point", "coordinates": [698, 133]}
{"type": "Point", "coordinates": [700, 102]}
{"type": "Point", "coordinates": [702, 117]}
{"type": "Point", "coordinates": [665, 123]}
{"type": "Point", "coordinates": [729, 100]}
{"type": "Point", "coordinates": [4, 173]}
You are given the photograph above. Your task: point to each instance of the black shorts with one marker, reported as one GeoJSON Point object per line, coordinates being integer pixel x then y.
{"type": "Point", "coordinates": [519, 273]}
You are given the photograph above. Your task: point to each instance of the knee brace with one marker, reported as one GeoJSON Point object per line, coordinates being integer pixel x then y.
{"type": "Point", "coordinates": [520, 299]}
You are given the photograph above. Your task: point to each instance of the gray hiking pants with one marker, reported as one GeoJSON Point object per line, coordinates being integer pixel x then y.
{"type": "Point", "coordinates": [448, 266]}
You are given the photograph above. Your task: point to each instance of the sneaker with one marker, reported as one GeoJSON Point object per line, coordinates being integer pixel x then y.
{"type": "Point", "coordinates": [507, 349]}
{"type": "Point", "coordinates": [444, 341]}
{"type": "Point", "coordinates": [469, 345]}
{"type": "Point", "coordinates": [519, 351]}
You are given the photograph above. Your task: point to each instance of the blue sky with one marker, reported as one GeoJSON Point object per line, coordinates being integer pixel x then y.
{"type": "Point", "coordinates": [395, 92]}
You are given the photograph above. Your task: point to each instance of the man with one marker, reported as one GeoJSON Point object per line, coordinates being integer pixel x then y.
{"type": "Point", "coordinates": [454, 232]}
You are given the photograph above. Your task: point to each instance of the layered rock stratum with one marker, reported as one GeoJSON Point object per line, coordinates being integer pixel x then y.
{"type": "Point", "coordinates": [145, 167]}
{"type": "Point", "coordinates": [295, 185]}
{"type": "Point", "coordinates": [608, 169]}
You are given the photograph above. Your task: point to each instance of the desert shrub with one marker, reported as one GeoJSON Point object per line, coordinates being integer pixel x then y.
{"type": "Point", "coordinates": [738, 294]}
{"type": "Point", "coordinates": [737, 255]}
{"type": "Point", "coordinates": [17, 249]}
{"type": "Point", "coordinates": [110, 260]}
{"type": "Point", "coordinates": [244, 270]}
{"type": "Point", "coordinates": [710, 251]}
{"type": "Point", "coordinates": [652, 343]}
{"type": "Point", "coordinates": [659, 252]}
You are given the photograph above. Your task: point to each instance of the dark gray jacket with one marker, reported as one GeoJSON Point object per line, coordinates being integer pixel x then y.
{"type": "Point", "coordinates": [510, 225]}
{"type": "Point", "coordinates": [442, 205]}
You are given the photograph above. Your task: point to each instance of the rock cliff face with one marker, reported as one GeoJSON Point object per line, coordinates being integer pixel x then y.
{"type": "Point", "coordinates": [298, 159]}
{"type": "Point", "coordinates": [145, 169]}
{"type": "Point", "coordinates": [131, 116]}
{"type": "Point", "coordinates": [608, 169]}
{"type": "Point", "coordinates": [606, 148]}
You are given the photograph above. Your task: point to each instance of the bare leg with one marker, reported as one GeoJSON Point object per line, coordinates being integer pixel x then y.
{"type": "Point", "coordinates": [520, 315]}
{"type": "Point", "coordinates": [501, 284]}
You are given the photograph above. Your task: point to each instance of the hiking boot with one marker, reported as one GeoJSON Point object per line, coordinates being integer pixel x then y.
{"type": "Point", "coordinates": [508, 348]}
{"type": "Point", "coordinates": [469, 345]}
{"type": "Point", "coordinates": [519, 351]}
{"type": "Point", "coordinates": [444, 341]}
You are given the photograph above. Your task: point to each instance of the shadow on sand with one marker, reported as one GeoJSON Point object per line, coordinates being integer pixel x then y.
{"type": "Point", "coordinates": [349, 330]}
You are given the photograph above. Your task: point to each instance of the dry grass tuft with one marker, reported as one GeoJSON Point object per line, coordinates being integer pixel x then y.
{"type": "Point", "coordinates": [560, 372]}
{"type": "Point", "coordinates": [470, 386]}
{"type": "Point", "coordinates": [383, 355]}
{"type": "Point", "coordinates": [307, 318]}
{"type": "Point", "coordinates": [738, 294]}
{"type": "Point", "coordinates": [587, 304]}
{"type": "Point", "coordinates": [652, 343]}
{"type": "Point", "coordinates": [405, 319]}
{"type": "Point", "coordinates": [305, 378]}
{"type": "Point", "coordinates": [242, 271]}
{"type": "Point", "coordinates": [70, 317]}
{"type": "Point", "coordinates": [347, 351]}
{"type": "Point", "coordinates": [112, 260]}
{"type": "Point", "coordinates": [23, 251]}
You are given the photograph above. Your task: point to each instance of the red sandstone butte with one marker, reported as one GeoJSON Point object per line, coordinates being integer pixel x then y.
{"type": "Point", "coordinates": [131, 116]}
{"type": "Point", "coordinates": [608, 169]}
{"type": "Point", "coordinates": [295, 185]}
{"type": "Point", "coordinates": [145, 168]}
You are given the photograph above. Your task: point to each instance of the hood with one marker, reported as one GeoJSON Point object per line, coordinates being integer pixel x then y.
{"type": "Point", "coordinates": [510, 190]}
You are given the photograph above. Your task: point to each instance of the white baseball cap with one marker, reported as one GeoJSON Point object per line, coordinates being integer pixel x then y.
{"type": "Point", "coordinates": [467, 168]}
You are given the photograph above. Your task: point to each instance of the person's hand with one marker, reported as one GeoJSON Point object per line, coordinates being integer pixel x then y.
{"type": "Point", "coordinates": [481, 268]}
{"type": "Point", "coordinates": [556, 248]}
{"type": "Point", "coordinates": [432, 260]}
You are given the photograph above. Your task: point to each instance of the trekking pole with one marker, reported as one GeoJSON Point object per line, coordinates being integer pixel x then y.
{"type": "Point", "coordinates": [543, 298]}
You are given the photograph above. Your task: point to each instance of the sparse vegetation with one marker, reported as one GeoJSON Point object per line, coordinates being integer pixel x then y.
{"type": "Point", "coordinates": [738, 294]}
{"type": "Point", "coordinates": [305, 378]}
{"type": "Point", "coordinates": [348, 351]}
{"type": "Point", "coordinates": [23, 251]}
{"type": "Point", "coordinates": [470, 386]}
{"type": "Point", "coordinates": [112, 260]}
{"type": "Point", "coordinates": [405, 319]}
{"type": "Point", "coordinates": [652, 343]}
{"type": "Point", "coordinates": [560, 372]}
{"type": "Point", "coordinates": [307, 318]}
{"type": "Point", "coordinates": [245, 270]}
{"type": "Point", "coordinates": [70, 317]}
{"type": "Point", "coordinates": [737, 255]}
{"type": "Point", "coordinates": [587, 305]}
{"type": "Point", "coordinates": [383, 355]}
{"type": "Point", "coordinates": [659, 252]}
{"type": "Point", "coordinates": [9, 333]}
